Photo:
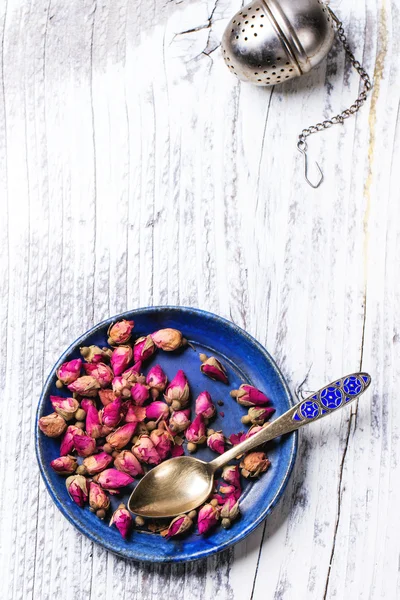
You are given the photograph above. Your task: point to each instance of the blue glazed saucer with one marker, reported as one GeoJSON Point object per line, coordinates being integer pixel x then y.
{"type": "Point", "coordinates": [246, 362]}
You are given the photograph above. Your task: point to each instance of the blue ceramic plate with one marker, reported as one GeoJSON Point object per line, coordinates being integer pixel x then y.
{"type": "Point", "coordinates": [246, 361]}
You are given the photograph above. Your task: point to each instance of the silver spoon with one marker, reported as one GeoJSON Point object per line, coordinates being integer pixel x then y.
{"type": "Point", "coordinates": [181, 484]}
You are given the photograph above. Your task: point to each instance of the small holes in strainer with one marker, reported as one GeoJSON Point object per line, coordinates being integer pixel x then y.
{"type": "Point", "coordinates": [255, 35]}
{"type": "Point", "coordinates": [262, 16]}
{"type": "Point", "coordinates": [256, 73]}
{"type": "Point", "coordinates": [237, 37]}
{"type": "Point", "coordinates": [246, 22]}
{"type": "Point", "coordinates": [252, 25]}
{"type": "Point", "coordinates": [279, 58]}
{"type": "Point", "coordinates": [261, 25]}
{"type": "Point", "coordinates": [282, 70]}
{"type": "Point", "coordinates": [243, 30]}
{"type": "Point", "coordinates": [258, 79]}
{"type": "Point", "coordinates": [273, 73]}
{"type": "Point", "coordinates": [245, 39]}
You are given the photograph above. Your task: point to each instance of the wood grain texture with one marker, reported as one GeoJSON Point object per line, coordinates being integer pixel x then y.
{"type": "Point", "coordinates": [135, 170]}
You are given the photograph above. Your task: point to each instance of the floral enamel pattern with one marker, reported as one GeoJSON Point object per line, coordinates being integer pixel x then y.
{"type": "Point", "coordinates": [332, 396]}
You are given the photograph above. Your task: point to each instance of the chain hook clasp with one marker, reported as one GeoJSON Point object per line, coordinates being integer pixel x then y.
{"type": "Point", "coordinates": [302, 148]}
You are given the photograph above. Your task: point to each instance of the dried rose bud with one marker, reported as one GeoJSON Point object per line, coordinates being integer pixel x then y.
{"type": "Point", "coordinates": [156, 380]}
{"type": "Point", "coordinates": [77, 489]}
{"type": "Point", "coordinates": [93, 426]}
{"type": "Point", "coordinates": [204, 405]}
{"type": "Point", "coordinates": [157, 410]}
{"type": "Point", "coordinates": [121, 436]}
{"type": "Point", "coordinates": [227, 489]}
{"type": "Point", "coordinates": [111, 479]}
{"type": "Point", "coordinates": [178, 390]}
{"type": "Point", "coordinates": [120, 332]}
{"type": "Point", "coordinates": [66, 407]}
{"type": "Point", "coordinates": [216, 441]}
{"type": "Point", "coordinates": [121, 386]}
{"type": "Point", "coordinates": [120, 359]}
{"type": "Point", "coordinates": [106, 396]}
{"type": "Point", "coordinates": [162, 441]}
{"type": "Point", "coordinates": [98, 499]}
{"type": "Point", "coordinates": [69, 371]}
{"type": "Point", "coordinates": [168, 339]}
{"type": "Point", "coordinates": [52, 425]}
{"type": "Point", "coordinates": [179, 525]}
{"type": "Point", "coordinates": [207, 518]}
{"type": "Point", "coordinates": [93, 354]}
{"type": "Point", "coordinates": [97, 462]}
{"type": "Point", "coordinates": [101, 372]}
{"type": "Point", "coordinates": [65, 465]}
{"type": "Point", "coordinates": [179, 420]}
{"type": "Point", "coordinates": [236, 438]}
{"type": "Point", "coordinates": [230, 509]}
{"type": "Point", "coordinates": [254, 463]}
{"type": "Point", "coordinates": [111, 414]}
{"type": "Point", "coordinates": [231, 475]}
{"type": "Point", "coordinates": [84, 445]}
{"type": "Point", "coordinates": [177, 450]}
{"type": "Point", "coordinates": [143, 348]}
{"type": "Point", "coordinates": [132, 375]}
{"type": "Point", "coordinates": [122, 519]}
{"type": "Point", "coordinates": [85, 386]}
{"type": "Point", "coordinates": [145, 451]}
{"type": "Point", "coordinates": [196, 432]}
{"type": "Point", "coordinates": [135, 414]}
{"type": "Point", "coordinates": [67, 443]}
{"type": "Point", "coordinates": [259, 414]}
{"type": "Point", "coordinates": [126, 462]}
{"type": "Point", "coordinates": [140, 393]}
{"type": "Point", "coordinates": [213, 369]}
{"type": "Point", "coordinates": [248, 395]}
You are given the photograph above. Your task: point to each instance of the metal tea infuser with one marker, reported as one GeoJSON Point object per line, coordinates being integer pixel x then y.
{"type": "Point", "coordinates": [271, 41]}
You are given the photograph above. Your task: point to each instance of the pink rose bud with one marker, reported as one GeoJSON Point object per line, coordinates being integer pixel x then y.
{"type": "Point", "coordinates": [230, 509]}
{"type": "Point", "coordinates": [196, 432]}
{"type": "Point", "coordinates": [253, 430]}
{"type": "Point", "coordinates": [93, 354]}
{"type": "Point", "coordinates": [106, 397]}
{"type": "Point", "coordinates": [254, 463]}
{"type": "Point", "coordinates": [66, 407]}
{"type": "Point", "coordinates": [140, 393]}
{"type": "Point", "coordinates": [121, 436]}
{"type": "Point", "coordinates": [97, 462]}
{"type": "Point", "coordinates": [120, 332]}
{"type": "Point", "coordinates": [204, 405]}
{"type": "Point", "coordinates": [135, 414]}
{"type": "Point", "coordinates": [157, 410]}
{"type": "Point", "coordinates": [85, 386]}
{"type": "Point", "coordinates": [179, 525]}
{"type": "Point", "coordinates": [84, 445]}
{"type": "Point", "coordinates": [93, 425]}
{"type": "Point", "coordinates": [145, 451]}
{"type": "Point", "coordinates": [98, 499]}
{"type": "Point", "coordinates": [52, 425]}
{"type": "Point", "coordinates": [132, 375]}
{"type": "Point", "coordinates": [111, 479]}
{"type": "Point", "coordinates": [156, 380]}
{"type": "Point", "coordinates": [178, 390]}
{"type": "Point", "coordinates": [162, 441]}
{"type": "Point", "coordinates": [168, 339]}
{"type": "Point", "coordinates": [65, 465]}
{"type": "Point", "coordinates": [67, 443]}
{"type": "Point", "coordinates": [231, 475]}
{"type": "Point", "coordinates": [100, 371]}
{"type": "Point", "coordinates": [126, 462]}
{"type": "Point", "coordinates": [259, 414]}
{"type": "Point", "coordinates": [236, 438]}
{"type": "Point", "coordinates": [77, 489]}
{"type": "Point", "coordinates": [207, 518]}
{"type": "Point", "coordinates": [143, 348]}
{"type": "Point", "coordinates": [213, 369]}
{"type": "Point", "coordinates": [121, 387]}
{"type": "Point", "coordinates": [122, 519]}
{"type": "Point", "coordinates": [248, 395]}
{"type": "Point", "coordinates": [177, 450]}
{"type": "Point", "coordinates": [216, 441]}
{"type": "Point", "coordinates": [69, 371]}
{"type": "Point", "coordinates": [111, 414]}
{"type": "Point", "coordinates": [179, 420]}
{"type": "Point", "coordinates": [120, 359]}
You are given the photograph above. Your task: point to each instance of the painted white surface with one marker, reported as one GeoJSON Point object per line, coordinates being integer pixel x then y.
{"type": "Point", "coordinates": [135, 170]}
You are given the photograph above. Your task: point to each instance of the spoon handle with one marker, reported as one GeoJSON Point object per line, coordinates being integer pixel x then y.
{"type": "Point", "coordinates": [324, 402]}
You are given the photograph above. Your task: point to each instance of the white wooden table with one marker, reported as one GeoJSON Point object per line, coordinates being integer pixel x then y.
{"type": "Point", "coordinates": [135, 171]}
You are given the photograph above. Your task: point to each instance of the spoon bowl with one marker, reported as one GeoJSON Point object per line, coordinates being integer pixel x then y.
{"type": "Point", "coordinates": [177, 485]}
